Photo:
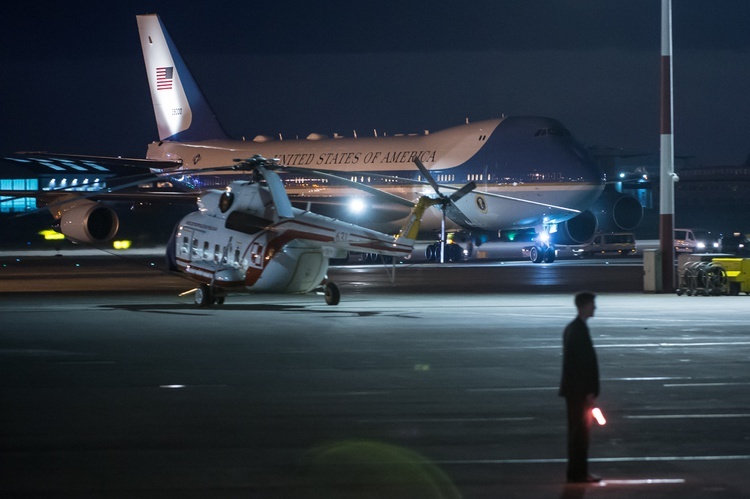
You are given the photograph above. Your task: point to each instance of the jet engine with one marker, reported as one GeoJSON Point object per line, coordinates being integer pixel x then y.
{"type": "Point", "coordinates": [89, 222]}
{"type": "Point", "coordinates": [612, 212]}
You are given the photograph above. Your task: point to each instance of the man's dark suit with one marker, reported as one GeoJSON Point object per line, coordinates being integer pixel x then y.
{"type": "Point", "coordinates": [579, 385]}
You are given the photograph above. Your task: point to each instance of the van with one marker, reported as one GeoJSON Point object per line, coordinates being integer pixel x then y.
{"type": "Point", "coordinates": [696, 241]}
{"type": "Point", "coordinates": [619, 243]}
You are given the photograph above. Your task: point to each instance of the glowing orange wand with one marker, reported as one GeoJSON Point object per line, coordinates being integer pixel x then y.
{"type": "Point", "coordinates": [597, 413]}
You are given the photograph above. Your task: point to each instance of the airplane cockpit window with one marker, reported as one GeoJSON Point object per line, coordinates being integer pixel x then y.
{"type": "Point", "coordinates": [560, 132]}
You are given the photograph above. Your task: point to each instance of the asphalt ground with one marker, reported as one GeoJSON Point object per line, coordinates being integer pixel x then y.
{"type": "Point", "coordinates": [442, 385]}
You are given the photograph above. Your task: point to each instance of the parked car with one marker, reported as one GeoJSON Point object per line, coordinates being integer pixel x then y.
{"type": "Point", "coordinates": [696, 241]}
{"type": "Point", "coordinates": [619, 243]}
{"type": "Point", "coordinates": [736, 244]}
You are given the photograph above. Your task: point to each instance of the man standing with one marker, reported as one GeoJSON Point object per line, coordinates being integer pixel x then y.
{"type": "Point", "coordinates": [580, 387]}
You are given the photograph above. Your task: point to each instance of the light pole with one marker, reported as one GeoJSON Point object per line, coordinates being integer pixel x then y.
{"type": "Point", "coordinates": [668, 177]}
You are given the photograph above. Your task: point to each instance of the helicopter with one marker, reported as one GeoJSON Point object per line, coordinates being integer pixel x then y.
{"type": "Point", "coordinates": [249, 238]}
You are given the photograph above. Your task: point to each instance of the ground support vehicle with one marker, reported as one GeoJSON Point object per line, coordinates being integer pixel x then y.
{"type": "Point", "coordinates": [616, 243]}
{"type": "Point", "coordinates": [738, 274]}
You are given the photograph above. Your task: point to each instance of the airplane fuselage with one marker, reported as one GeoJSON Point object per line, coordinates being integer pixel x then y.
{"type": "Point", "coordinates": [546, 176]}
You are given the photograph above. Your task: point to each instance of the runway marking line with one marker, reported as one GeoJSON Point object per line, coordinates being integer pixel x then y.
{"type": "Point", "coordinates": [633, 459]}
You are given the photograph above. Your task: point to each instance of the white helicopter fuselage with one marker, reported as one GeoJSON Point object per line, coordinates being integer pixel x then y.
{"type": "Point", "coordinates": [237, 239]}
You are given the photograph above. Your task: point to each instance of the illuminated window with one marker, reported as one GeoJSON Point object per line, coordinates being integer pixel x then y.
{"type": "Point", "coordinates": [10, 205]}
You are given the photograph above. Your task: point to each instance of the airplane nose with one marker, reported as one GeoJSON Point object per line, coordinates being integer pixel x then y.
{"type": "Point", "coordinates": [538, 149]}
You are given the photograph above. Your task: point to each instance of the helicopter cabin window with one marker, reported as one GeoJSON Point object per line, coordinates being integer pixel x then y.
{"type": "Point", "coordinates": [206, 253]}
{"type": "Point", "coordinates": [246, 223]}
{"type": "Point", "coordinates": [185, 245]}
{"type": "Point", "coordinates": [236, 262]}
{"type": "Point", "coordinates": [217, 253]}
{"type": "Point", "coordinates": [196, 249]}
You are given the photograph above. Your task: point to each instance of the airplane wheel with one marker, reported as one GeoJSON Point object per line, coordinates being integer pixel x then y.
{"type": "Point", "coordinates": [332, 294]}
{"type": "Point", "coordinates": [536, 255]}
{"type": "Point", "coordinates": [549, 255]}
{"type": "Point", "coordinates": [429, 252]}
{"type": "Point", "coordinates": [453, 252]}
{"type": "Point", "coordinates": [202, 296]}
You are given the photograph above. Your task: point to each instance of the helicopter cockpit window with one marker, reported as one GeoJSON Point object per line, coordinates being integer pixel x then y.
{"type": "Point", "coordinates": [225, 201]}
{"type": "Point", "coordinates": [245, 222]}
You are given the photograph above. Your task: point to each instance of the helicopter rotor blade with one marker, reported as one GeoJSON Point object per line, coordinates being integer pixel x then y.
{"type": "Point", "coordinates": [427, 175]}
{"type": "Point", "coordinates": [462, 191]}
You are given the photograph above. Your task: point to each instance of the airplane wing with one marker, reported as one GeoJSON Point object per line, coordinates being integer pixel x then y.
{"type": "Point", "coordinates": [382, 207]}
{"type": "Point", "coordinates": [457, 213]}
{"type": "Point", "coordinates": [123, 179]}
{"type": "Point", "coordinates": [52, 163]}
{"type": "Point", "coordinates": [376, 211]}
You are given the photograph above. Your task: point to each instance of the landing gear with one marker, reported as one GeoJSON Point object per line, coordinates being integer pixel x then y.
{"type": "Point", "coordinates": [539, 254]}
{"type": "Point", "coordinates": [332, 293]}
{"type": "Point", "coordinates": [536, 254]}
{"type": "Point", "coordinates": [206, 296]}
{"type": "Point", "coordinates": [549, 255]}
{"type": "Point", "coordinates": [202, 294]}
{"type": "Point", "coordinates": [453, 252]}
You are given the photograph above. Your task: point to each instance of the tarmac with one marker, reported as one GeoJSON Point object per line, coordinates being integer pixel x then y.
{"type": "Point", "coordinates": [442, 384]}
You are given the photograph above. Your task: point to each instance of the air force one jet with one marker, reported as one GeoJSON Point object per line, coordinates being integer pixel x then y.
{"type": "Point", "coordinates": [530, 172]}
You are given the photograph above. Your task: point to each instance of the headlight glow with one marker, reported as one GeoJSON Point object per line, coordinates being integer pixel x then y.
{"type": "Point", "coordinates": [357, 205]}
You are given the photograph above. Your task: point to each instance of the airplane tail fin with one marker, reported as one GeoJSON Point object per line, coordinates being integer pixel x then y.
{"type": "Point", "coordinates": [182, 113]}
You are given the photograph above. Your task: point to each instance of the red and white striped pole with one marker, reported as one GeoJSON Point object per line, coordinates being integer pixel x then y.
{"type": "Point", "coordinates": [666, 192]}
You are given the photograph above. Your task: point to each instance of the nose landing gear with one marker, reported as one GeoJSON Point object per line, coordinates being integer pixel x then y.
{"type": "Point", "coordinates": [542, 253]}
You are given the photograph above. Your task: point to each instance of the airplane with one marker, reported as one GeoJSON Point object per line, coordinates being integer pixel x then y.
{"type": "Point", "coordinates": [531, 174]}
{"type": "Point", "coordinates": [250, 238]}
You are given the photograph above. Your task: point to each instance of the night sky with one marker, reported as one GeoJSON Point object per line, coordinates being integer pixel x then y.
{"type": "Point", "coordinates": [73, 79]}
